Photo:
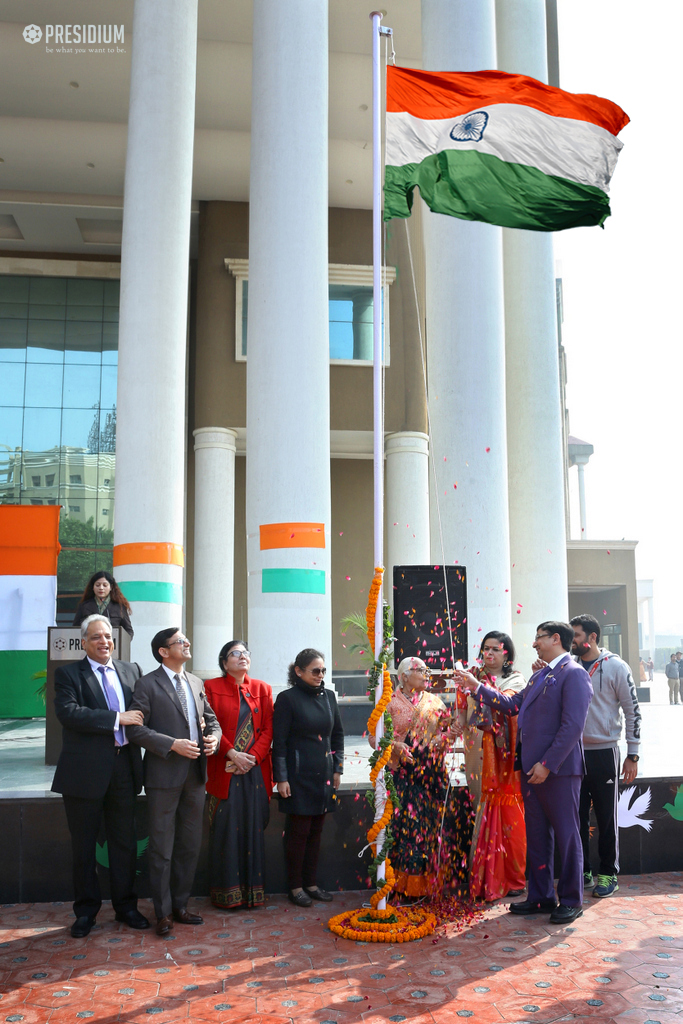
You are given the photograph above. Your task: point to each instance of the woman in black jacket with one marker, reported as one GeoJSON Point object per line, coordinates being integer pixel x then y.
{"type": "Point", "coordinates": [308, 759]}
{"type": "Point", "coordinates": [102, 596]}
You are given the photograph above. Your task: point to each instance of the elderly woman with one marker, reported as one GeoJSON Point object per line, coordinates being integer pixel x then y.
{"type": "Point", "coordinates": [308, 759]}
{"type": "Point", "coordinates": [499, 842]}
{"type": "Point", "coordinates": [433, 826]}
{"type": "Point", "coordinates": [102, 596]}
{"type": "Point", "coordinates": [239, 781]}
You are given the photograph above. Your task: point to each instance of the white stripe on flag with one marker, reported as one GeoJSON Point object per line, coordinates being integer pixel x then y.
{"type": "Point", "coordinates": [577, 150]}
{"type": "Point", "coordinates": [27, 608]}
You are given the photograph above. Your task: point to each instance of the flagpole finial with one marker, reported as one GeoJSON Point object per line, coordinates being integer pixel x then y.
{"type": "Point", "coordinates": [376, 14]}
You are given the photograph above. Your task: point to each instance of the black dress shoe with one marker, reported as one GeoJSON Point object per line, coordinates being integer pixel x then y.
{"type": "Point", "coordinates": [81, 927]}
{"type": "Point", "coordinates": [515, 892]}
{"type": "Point", "coordinates": [133, 918]}
{"type": "Point", "coordinates": [302, 899]}
{"type": "Point", "coordinates": [185, 917]}
{"type": "Point", "coordinates": [532, 907]}
{"type": "Point", "coordinates": [319, 894]}
{"type": "Point", "coordinates": [564, 914]}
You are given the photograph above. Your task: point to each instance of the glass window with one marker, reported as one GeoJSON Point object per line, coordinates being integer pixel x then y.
{"type": "Point", "coordinates": [56, 445]}
{"type": "Point", "coordinates": [45, 341]}
{"type": "Point", "coordinates": [13, 340]}
{"type": "Point", "coordinates": [81, 387]}
{"type": "Point", "coordinates": [43, 385]}
{"type": "Point", "coordinates": [12, 383]}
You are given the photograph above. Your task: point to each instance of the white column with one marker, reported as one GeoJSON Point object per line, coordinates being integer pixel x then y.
{"type": "Point", "coordinates": [582, 498]}
{"type": "Point", "coordinates": [466, 357]}
{"type": "Point", "coordinates": [534, 412]}
{"type": "Point", "coordinates": [214, 546]}
{"type": "Point", "coordinates": [288, 413]}
{"type": "Point", "coordinates": [651, 626]}
{"type": "Point", "coordinates": [150, 451]}
{"type": "Point", "coordinates": [406, 481]}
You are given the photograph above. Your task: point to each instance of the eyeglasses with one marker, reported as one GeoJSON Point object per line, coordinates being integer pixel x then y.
{"type": "Point", "coordinates": [181, 640]}
{"type": "Point", "coordinates": [421, 671]}
{"type": "Point", "coordinates": [236, 653]}
{"type": "Point", "coordinates": [317, 671]}
{"type": "Point", "coordinates": [542, 636]}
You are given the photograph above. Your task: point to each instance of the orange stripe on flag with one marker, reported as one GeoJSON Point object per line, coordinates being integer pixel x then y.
{"type": "Point", "coordinates": [435, 95]}
{"type": "Point", "coordinates": [29, 540]}
{"type": "Point", "coordinates": [145, 553]}
{"type": "Point", "coordinates": [292, 535]}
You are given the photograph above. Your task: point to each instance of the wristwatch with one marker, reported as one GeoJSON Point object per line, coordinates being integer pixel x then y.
{"type": "Point", "coordinates": [632, 757]}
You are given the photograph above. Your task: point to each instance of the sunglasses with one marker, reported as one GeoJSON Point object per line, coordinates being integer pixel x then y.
{"type": "Point", "coordinates": [317, 671]}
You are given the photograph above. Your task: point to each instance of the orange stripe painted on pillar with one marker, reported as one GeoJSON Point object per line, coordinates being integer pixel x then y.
{"type": "Point", "coordinates": [146, 553]}
{"type": "Point", "coordinates": [292, 535]}
{"type": "Point", "coordinates": [29, 540]}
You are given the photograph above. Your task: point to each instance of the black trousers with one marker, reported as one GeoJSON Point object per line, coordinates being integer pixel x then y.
{"type": "Point", "coordinates": [600, 787]}
{"type": "Point", "coordinates": [302, 848]}
{"type": "Point", "coordinates": [84, 818]}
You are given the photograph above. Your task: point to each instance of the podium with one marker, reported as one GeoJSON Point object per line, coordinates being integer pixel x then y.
{"type": "Point", "coordinates": [64, 645]}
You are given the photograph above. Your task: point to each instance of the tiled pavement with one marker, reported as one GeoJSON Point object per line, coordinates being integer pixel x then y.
{"type": "Point", "coordinates": [622, 961]}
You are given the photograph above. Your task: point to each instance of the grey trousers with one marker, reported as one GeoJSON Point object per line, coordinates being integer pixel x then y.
{"type": "Point", "coordinates": [175, 838]}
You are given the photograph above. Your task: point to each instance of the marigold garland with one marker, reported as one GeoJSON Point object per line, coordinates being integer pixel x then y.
{"type": "Point", "coordinates": [393, 924]}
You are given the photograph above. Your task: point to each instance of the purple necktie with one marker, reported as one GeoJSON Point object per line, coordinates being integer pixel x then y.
{"type": "Point", "coordinates": [113, 702]}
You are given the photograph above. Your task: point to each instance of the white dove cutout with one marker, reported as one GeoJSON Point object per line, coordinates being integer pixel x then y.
{"type": "Point", "coordinates": [629, 814]}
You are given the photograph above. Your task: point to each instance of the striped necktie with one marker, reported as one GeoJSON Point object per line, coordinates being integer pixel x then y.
{"type": "Point", "coordinates": [180, 690]}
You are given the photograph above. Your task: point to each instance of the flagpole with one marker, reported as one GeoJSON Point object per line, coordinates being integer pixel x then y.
{"type": "Point", "coordinates": [377, 403]}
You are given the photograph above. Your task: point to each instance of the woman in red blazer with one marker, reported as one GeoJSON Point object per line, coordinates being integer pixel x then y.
{"type": "Point", "coordinates": [240, 781]}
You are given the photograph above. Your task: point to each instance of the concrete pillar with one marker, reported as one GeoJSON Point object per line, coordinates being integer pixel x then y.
{"type": "Point", "coordinates": [214, 543]}
{"type": "Point", "coordinates": [534, 410]}
{"type": "Point", "coordinates": [406, 481]}
{"type": "Point", "coordinates": [288, 413]}
{"type": "Point", "coordinates": [362, 325]}
{"type": "Point", "coordinates": [582, 499]}
{"type": "Point", "coordinates": [150, 450]}
{"type": "Point", "coordinates": [466, 357]}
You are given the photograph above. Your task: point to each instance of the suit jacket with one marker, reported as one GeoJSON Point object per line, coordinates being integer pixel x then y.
{"type": "Point", "coordinates": [86, 762]}
{"type": "Point", "coordinates": [224, 697]}
{"type": "Point", "coordinates": [552, 712]}
{"type": "Point", "coordinates": [115, 612]}
{"type": "Point", "coordinates": [164, 722]}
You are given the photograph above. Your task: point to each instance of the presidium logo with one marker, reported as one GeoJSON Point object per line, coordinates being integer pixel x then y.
{"type": "Point", "coordinates": [97, 38]}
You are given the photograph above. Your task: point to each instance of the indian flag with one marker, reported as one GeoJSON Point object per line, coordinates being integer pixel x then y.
{"type": "Point", "coordinates": [504, 149]}
{"type": "Point", "coordinates": [29, 548]}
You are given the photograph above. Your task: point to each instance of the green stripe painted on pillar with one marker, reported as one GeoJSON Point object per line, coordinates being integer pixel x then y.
{"type": "Point", "coordinates": [152, 590]}
{"type": "Point", "coordinates": [19, 696]}
{"type": "Point", "coordinates": [293, 581]}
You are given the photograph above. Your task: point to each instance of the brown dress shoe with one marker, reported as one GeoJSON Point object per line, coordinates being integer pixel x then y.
{"type": "Point", "coordinates": [164, 925]}
{"type": "Point", "coordinates": [185, 917]}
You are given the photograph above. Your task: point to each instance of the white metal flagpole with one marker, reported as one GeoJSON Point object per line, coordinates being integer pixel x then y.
{"type": "Point", "coordinates": [378, 405]}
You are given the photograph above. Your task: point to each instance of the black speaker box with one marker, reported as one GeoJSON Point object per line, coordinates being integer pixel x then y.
{"type": "Point", "coordinates": [423, 595]}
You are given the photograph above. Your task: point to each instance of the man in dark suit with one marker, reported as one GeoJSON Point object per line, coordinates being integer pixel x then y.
{"type": "Point", "coordinates": [99, 773]}
{"type": "Point", "coordinates": [179, 731]}
{"type": "Point", "coordinates": [552, 711]}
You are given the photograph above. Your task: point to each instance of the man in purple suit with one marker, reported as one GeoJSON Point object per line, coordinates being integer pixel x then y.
{"type": "Point", "coordinates": [552, 711]}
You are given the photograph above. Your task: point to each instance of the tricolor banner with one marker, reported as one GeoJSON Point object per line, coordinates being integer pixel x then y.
{"type": "Point", "coordinates": [504, 149]}
{"type": "Point", "coordinates": [29, 547]}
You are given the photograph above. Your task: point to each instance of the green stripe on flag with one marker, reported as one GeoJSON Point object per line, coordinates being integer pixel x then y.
{"type": "Point", "coordinates": [293, 581]}
{"type": "Point", "coordinates": [480, 186]}
{"type": "Point", "coordinates": [152, 590]}
{"type": "Point", "coordinates": [19, 696]}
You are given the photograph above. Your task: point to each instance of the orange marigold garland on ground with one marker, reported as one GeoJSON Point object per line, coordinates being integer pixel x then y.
{"type": "Point", "coordinates": [392, 924]}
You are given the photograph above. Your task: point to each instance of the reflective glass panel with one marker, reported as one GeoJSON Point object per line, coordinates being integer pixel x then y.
{"type": "Point", "coordinates": [12, 340]}
{"type": "Point", "coordinates": [84, 299]}
{"type": "Point", "coordinates": [45, 341]}
{"type": "Point", "coordinates": [81, 429]}
{"type": "Point", "coordinates": [108, 399]}
{"type": "Point", "coordinates": [41, 429]}
{"type": "Point", "coordinates": [10, 429]}
{"type": "Point", "coordinates": [12, 383]}
{"type": "Point", "coordinates": [13, 289]}
{"type": "Point", "coordinates": [108, 432]}
{"type": "Point", "coordinates": [83, 342]}
{"type": "Point", "coordinates": [43, 385]}
{"type": "Point", "coordinates": [81, 386]}
{"type": "Point", "coordinates": [48, 290]}
{"type": "Point", "coordinates": [110, 343]}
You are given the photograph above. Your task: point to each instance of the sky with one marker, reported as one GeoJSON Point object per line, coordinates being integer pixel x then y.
{"type": "Point", "coordinates": [622, 292]}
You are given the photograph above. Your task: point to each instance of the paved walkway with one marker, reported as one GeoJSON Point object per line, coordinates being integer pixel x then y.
{"type": "Point", "coordinates": [622, 961]}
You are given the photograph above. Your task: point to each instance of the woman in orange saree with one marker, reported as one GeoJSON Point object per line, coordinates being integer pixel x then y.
{"type": "Point", "coordinates": [498, 860]}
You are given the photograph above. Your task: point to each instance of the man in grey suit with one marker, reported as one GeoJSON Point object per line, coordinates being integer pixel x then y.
{"type": "Point", "coordinates": [99, 773]}
{"type": "Point", "coordinates": [179, 732]}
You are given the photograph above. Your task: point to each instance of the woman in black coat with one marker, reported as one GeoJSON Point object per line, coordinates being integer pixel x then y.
{"type": "Point", "coordinates": [102, 596]}
{"type": "Point", "coordinates": [308, 760]}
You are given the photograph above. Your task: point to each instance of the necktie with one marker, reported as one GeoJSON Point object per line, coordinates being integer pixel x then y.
{"type": "Point", "coordinates": [180, 690]}
{"type": "Point", "coordinates": [113, 701]}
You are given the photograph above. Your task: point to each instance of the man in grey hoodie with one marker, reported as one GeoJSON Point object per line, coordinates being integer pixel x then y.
{"type": "Point", "coordinates": [613, 692]}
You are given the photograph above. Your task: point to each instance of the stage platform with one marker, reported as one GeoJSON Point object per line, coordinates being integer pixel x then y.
{"type": "Point", "coordinates": [622, 961]}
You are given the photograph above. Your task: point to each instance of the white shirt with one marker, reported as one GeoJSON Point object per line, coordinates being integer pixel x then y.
{"type": "Point", "coordinates": [113, 680]}
{"type": "Point", "coordinates": [189, 697]}
{"type": "Point", "coordinates": [556, 661]}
